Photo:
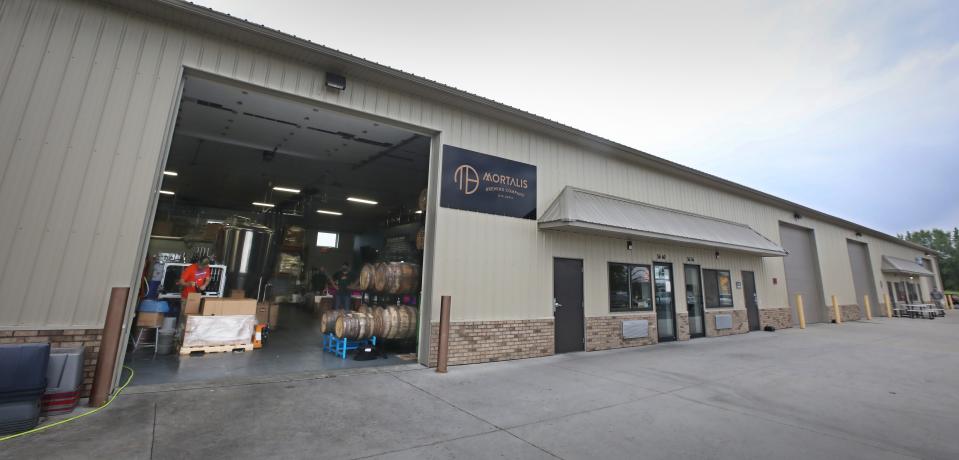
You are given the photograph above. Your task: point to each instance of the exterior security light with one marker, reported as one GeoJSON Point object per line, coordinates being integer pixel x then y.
{"type": "Point", "coordinates": [334, 81]}
{"type": "Point", "coordinates": [629, 245]}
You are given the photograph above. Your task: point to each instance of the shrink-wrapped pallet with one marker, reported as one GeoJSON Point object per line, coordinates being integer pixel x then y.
{"type": "Point", "coordinates": [205, 331]}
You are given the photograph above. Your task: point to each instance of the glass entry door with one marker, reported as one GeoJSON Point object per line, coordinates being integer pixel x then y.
{"type": "Point", "coordinates": [694, 301]}
{"type": "Point", "coordinates": [665, 309]}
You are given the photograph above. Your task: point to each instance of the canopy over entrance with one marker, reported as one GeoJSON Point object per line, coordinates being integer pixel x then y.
{"type": "Point", "coordinates": [583, 211]}
{"type": "Point", "coordinates": [904, 267]}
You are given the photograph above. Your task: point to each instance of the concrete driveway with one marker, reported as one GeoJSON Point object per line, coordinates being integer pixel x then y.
{"type": "Point", "coordinates": [870, 390]}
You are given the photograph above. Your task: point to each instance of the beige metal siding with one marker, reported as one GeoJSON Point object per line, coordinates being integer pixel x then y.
{"type": "Point", "coordinates": [86, 96]}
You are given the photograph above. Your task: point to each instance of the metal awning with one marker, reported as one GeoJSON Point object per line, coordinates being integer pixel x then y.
{"type": "Point", "coordinates": [904, 267]}
{"type": "Point", "coordinates": [583, 211]}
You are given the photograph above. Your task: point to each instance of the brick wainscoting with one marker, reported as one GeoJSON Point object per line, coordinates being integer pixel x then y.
{"type": "Point", "coordinates": [779, 318]}
{"type": "Point", "coordinates": [485, 341]}
{"type": "Point", "coordinates": [740, 323]}
{"type": "Point", "coordinates": [848, 312]}
{"type": "Point", "coordinates": [69, 338]}
{"type": "Point", "coordinates": [682, 326]}
{"type": "Point", "coordinates": [606, 332]}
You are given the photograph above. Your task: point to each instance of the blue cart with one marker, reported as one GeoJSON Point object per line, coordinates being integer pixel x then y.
{"type": "Point", "coordinates": [339, 347]}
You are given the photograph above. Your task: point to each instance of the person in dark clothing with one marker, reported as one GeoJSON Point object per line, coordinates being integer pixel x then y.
{"type": "Point", "coordinates": [320, 280]}
{"type": "Point", "coordinates": [342, 279]}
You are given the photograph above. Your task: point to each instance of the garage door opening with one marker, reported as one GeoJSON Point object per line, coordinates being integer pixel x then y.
{"type": "Point", "coordinates": [298, 209]}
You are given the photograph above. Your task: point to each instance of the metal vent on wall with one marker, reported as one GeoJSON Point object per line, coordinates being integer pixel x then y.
{"type": "Point", "coordinates": [635, 329]}
{"type": "Point", "coordinates": [724, 322]}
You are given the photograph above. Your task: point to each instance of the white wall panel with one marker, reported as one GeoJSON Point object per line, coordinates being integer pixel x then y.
{"type": "Point", "coordinates": [85, 98]}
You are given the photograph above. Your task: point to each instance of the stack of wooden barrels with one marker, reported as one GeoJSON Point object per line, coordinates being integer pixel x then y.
{"type": "Point", "coordinates": [390, 278]}
{"type": "Point", "coordinates": [395, 322]}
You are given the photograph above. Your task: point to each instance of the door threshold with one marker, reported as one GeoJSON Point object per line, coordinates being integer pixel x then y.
{"type": "Point", "coordinates": [267, 379]}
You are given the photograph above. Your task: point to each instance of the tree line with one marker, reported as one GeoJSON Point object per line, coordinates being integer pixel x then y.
{"type": "Point", "coordinates": [947, 245]}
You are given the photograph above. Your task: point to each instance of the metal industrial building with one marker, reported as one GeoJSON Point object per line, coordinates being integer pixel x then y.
{"type": "Point", "coordinates": [89, 96]}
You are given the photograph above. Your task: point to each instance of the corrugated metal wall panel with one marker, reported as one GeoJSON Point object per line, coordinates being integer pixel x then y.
{"type": "Point", "coordinates": [84, 107]}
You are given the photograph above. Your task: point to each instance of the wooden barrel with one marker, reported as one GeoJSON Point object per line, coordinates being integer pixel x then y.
{"type": "Point", "coordinates": [366, 277]}
{"type": "Point", "coordinates": [421, 239]}
{"type": "Point", "coordinates": [421, 202]}
{"type": "Point", "coordinates": [402, 278]}
{"type": "Point", "coordinates": [328, 320]}
{"type": "Point", "coordinates": [398, 322]}
{"type": "Point", "coordinates": [380, 273]}
{"type": "Point", "coordinates": [363, 308]}
{"type": "Point", "coordinates": [378, 324]}
{"type": "Point", "coordinates": [354, 326]}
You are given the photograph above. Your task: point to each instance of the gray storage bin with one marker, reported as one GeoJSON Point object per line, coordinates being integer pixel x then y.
{"type": "Point", "coordinates": [65, 370]}
{"type": "Point", "coordinates": [19, 416]}
{"type": "Point", "coordinates": [23, 371]}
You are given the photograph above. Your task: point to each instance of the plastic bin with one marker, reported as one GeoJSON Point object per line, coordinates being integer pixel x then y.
{"type": "Point", "coordinates": [64, 378]}
{"type": "Point", "coordinates": [19, 416]}
{"type": "Point", "coordinates": [23, 371]}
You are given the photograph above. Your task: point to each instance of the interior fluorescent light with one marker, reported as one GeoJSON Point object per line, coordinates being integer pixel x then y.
{"type": "Point", "coordinates": [286, 189]}
{"type": "Point", "coordinates": [332, 213]}
{"type": "Point", "coordinates": [360, 200]}
{"type": "Point", "coordinates": [169, 173]}
{"type": "Point", "coordinates": [265, 205]}
{"type": "Point", "coordinates": [214, 221]}
{"type": "Point", "coordinates": [167, 192]}
{"type": "Point", "coordinates": [419, 211]}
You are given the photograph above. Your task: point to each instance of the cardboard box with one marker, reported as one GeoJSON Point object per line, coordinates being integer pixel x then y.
{"type": "Point", "coordinates": [192, 304]}
{"type": "Point", "coordinates": [217, 306]}
{"type": "Point", "coordinates": [267, 313]}
{"type": "Point", "coordinates": [149, 319]}
{"type": "Point", "coordinates": [237, 294]}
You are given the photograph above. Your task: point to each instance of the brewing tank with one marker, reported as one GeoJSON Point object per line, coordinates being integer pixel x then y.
{"type": "Point", "coordinates": [244, 247]}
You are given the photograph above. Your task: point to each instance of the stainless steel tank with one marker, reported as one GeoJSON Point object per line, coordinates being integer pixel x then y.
{"type": "Point", "coordinates": [244, 247]}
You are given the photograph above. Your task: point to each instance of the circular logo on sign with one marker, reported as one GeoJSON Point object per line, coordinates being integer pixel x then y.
{"type": "Point", "coordinates": [466, 178]}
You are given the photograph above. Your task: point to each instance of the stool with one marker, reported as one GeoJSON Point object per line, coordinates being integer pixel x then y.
{"type": "Point", "coordinates": [138, 341]}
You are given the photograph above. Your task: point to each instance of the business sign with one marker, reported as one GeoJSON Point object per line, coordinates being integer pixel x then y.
{"type": "Point", "coordinates": [474, 181]}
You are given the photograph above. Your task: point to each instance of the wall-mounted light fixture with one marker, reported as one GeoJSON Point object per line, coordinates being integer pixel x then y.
{"type": "Point", "coordinates": [629, 245]}
{"type": "Point", "coordinates": [859, 234]}
{"type": "Point", "coordinates": [717, 254]}
{"type": "Point", "coordinates": [335, 81]}
{"type": "Point", "coordinates": [796, 216]}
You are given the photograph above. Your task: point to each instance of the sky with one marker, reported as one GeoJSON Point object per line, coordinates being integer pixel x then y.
{"type": "Point", "coordinates": [848, 107]}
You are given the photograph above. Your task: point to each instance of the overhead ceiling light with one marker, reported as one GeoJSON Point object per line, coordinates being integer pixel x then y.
{"type": "Point", "coordinates": [286, 189]}
{"type": "Point", "coordinates": [419, 211]}
{"type": "Point", "coordinates": [265, 205]}
{"type": "Point", "coordinates": [214, 221]}
{"type": "Point", "coordinates": [169, 173]}
{"type": "Point", "coordinates": [332, 213]}
{"type": "Point", "coordinates": [360, 200]}
{"type": "Point", "coordinates": [166, 192]}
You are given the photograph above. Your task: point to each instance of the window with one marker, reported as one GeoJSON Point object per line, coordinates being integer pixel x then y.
{"type": "Point", "coordinates": [327, 240]}
{"type": "Point", "coordinates": [629, 288]}
{"type": "Point", "coordinates": [718, 287]}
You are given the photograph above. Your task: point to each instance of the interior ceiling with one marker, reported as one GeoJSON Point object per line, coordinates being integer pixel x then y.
{"type": "Point", "coordinates": [232, 145]}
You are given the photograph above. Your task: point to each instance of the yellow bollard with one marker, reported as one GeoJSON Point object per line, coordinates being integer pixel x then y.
{"type": "Point", "coordinates": [888, 306]}
{"type": "Point", "coordinates": [865, 299]}
{"type": "Point", "coordinates": [949, 301]}
{"type": "Point", "coordinates": [800, 312]}
{"type": "Point", "coordinates": [835, 310]}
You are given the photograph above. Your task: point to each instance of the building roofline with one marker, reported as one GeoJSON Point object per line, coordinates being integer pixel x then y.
{"type": "Point", "coordinates": [187, 9]}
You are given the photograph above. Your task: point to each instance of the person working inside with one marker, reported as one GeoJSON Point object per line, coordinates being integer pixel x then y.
{"type": "Point", "coordinates": [342, 279]}
{"type": "Point", "coordinates": [195, 277]}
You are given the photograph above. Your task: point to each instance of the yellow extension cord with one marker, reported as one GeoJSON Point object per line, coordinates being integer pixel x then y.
{"type": "Point", "coordinates": [94, 411]}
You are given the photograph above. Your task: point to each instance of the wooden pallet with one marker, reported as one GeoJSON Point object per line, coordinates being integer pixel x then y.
{"type": "Point", "coordinates": [217, 348]}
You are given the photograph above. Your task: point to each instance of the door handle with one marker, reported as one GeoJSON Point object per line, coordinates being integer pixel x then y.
{"type": "Point", "coordinates": [556, 305]}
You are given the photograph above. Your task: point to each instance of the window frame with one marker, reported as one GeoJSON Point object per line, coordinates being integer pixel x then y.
{"type": "Point", "coordinates": [336, 243]}
{"type": "Point", "coordinates": [629, 288]}
{"type": "Point", "coordinates": [714, 272]}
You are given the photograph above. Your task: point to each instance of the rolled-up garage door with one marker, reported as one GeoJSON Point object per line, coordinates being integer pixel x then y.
{"type": "Point", "coordinates": [802, 272]}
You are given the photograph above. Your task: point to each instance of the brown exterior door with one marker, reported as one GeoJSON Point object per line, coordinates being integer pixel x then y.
{"type": "Point", "coordinates": [752, 300]}
{"type": "Point", "coordinates": [568, 305]}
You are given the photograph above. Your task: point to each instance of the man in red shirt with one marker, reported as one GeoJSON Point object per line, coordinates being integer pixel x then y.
{"type": "Point", "coordinates": [195, 277]}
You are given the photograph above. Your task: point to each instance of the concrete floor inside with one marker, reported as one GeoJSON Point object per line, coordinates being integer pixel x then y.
{"type": "Point", "coordinates": [862, 390]}
{"type": "Point", "coordinates": [294, 347]}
